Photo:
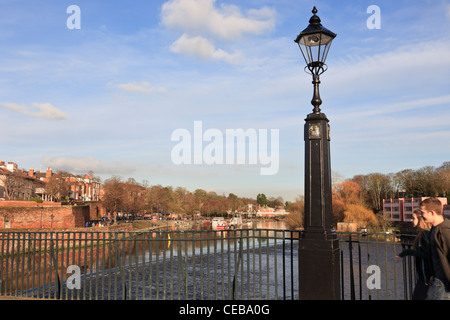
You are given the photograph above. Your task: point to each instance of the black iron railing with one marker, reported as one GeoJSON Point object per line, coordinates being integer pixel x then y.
{"type": "Point", "coordinates": [242, 264]}
{"type": "Point", "coordinates": [371, 269]}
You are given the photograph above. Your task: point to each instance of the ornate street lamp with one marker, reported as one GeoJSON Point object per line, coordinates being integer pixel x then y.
{"type": "Point", "coordinates": [315, 42]}
{"type": "Point", "coordinates": [319, 263]}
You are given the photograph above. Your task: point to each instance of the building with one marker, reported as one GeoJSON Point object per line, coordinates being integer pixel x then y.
{"type": "Point", "coordinates": [268, 212]}
{"type": "Point", "coordinates": [401, 209]}
{"type": "Point", "coordinates": [84, 189]}
{"type": "Point", "coordinates": [17, 184]}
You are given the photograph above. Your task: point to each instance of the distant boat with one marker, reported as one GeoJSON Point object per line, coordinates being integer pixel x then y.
{"type": "Point", "coordinates": [236, 221]}
{"type": "Point", "coordinates": [219, 224]}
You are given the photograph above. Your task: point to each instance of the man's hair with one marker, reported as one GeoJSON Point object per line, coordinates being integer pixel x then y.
{"type": "Point", "coordinates": [432, 204]}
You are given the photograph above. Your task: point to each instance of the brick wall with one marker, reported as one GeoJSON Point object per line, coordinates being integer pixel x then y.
{"type": "Point", "coordinates": [51, 217]}
{"type": "Point", "coordinates": [29, 204]}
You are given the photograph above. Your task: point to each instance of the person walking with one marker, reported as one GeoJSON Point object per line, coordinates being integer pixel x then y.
{"type": "Point", "coordinates": [439, 249]}
{"type": "Point", "coordinates": [419, 251]}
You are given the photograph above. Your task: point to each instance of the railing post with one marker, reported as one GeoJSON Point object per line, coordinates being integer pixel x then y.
{"type": "Point", "coordinates": [352, 276]}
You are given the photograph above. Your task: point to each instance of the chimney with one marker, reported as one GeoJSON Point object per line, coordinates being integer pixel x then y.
{"type": "Point", "coordinates": [49, 173]}
{"type": "Point", "coordinates": [11, 166]}
{"type": "Point", "coordinates": [31, 172]}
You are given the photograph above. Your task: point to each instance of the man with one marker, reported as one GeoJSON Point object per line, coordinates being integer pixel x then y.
{"type": "Point", "coordinates": [439, 248]}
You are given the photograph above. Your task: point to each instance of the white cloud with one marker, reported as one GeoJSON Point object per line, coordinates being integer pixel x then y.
{"type": "Point", "coordinates": [38, 110]}
{"type": "Point", "coordinates": [202, 22]}
{"type": "Point", "coordinates": [84, 165]}
{"type": "Point", "coordinates": [143, 87]}
{"type": "Point", "coordinates": [202, 49]}
{"type": "Point", "coordinates": [226, 22]}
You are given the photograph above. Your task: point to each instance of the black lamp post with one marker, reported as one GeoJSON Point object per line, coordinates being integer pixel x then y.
{"type": "Point", "coordinates": [319, 247]}
{"type": "Point", "coordinates": [42, 212]}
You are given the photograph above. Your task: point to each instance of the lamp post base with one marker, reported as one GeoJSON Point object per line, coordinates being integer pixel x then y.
{"type": "Point", "coordinates": [319, 269]}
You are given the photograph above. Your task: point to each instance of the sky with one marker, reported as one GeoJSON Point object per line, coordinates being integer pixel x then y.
{"type": "Point", "coordinates": [104, 86]}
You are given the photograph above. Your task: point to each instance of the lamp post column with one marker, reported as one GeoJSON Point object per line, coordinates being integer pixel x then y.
{"type": "Point", "coordinates": [319, 263]}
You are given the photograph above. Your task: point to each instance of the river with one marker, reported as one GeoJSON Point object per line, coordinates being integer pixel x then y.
{"type": "Point", "coordinates": [201, 264]}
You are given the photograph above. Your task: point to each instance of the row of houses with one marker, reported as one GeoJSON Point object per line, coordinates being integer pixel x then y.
{"type": "Point", "coordinates": [401, 209]}
{"type": "Point", "coordinates": [20, 184]}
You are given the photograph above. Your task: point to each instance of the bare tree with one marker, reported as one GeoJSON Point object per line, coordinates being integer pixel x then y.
{"type": "Point", "coordinates": [12, 183]}
{"type": "Point", "coordinates": [58, 187]}
{"type": "Point", "coordinates": [378, 186]}
{"type": "Point", "coordinates": [114, 194]}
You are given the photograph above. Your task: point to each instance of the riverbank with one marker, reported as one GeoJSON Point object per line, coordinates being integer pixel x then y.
{"type": "Point", "coordinates": [143, 225]}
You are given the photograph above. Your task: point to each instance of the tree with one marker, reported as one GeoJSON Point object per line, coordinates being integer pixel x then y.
{"type": "Point", "coordinates": [378, 187]}
{"type": "Point", "coordinates": [357, 213]}
{"type": "Point", "coordinates": [261, 199]}
{"type": "Point", "coordinates": [200, 199]}
{"type": "Point", "coordinates": [425, 182]}
{"type": "Point", "coordinates": [275, 202]}
{"type": "Point", "coordinates": [430, 181]}
{"type": "Point", "coordinates": [134, 197]}
{"type": "Point", "coordinates": [114, 194]}
{"type": "Point", "coordinates": [232, 200]}
{"type": "Point", "coordinates": [348, 192]}
{"type": "Point", "coordinates": [58, 187]}
{"type": "Point", "coordinates": [12, 183]}
{"type": "Point", "coordinates": [296, 213]}
{"type": "Point", "coordinates": [444, 173]}
{"type": "Point", "coordinates": [406, 178]}
{"type": "Point", "coordinates": [344, 194]}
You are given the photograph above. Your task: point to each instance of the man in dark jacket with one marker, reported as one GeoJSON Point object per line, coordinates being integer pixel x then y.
{"type": "Point", "coordinates": [439, 248]}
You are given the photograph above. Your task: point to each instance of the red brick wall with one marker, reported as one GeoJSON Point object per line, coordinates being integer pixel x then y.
{"type": "Point", "coordinates": [52, 217]}
{"type": "Point", "coordinates": [29, 204]}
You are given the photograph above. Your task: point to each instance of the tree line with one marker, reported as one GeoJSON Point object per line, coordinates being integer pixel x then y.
{"type": "Point", "coordinates": [427, 181]}
{"type": "Point", "coordinates": [133, 197]}
{"type": "Point", "coordinates": [360, 199]}
{"type": "Point", "coordinates": [357, 199]}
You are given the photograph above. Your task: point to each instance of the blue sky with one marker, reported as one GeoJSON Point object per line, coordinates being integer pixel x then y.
{"type": "Point", "coordinates": [107, 97]}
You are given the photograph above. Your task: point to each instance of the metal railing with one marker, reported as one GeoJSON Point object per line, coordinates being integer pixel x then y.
{"type": "Point", "coordinates": [229, 264]}
{"type": "Point", "coordinates": [371, 269]}
{"type": "Point", "coordinates": [242, 264]}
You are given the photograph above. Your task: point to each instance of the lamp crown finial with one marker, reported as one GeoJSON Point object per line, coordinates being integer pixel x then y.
{"type": "Point", "coordinates": [315, 20]}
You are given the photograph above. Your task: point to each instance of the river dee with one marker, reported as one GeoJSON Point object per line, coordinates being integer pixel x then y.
{"type": "Point", "coordinates": [244, 264]}
{"type": "Point", "coordinates": [199, 264]}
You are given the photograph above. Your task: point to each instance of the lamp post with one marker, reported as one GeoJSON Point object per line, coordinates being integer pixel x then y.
{"type": "Point", "coordinates": [319, 263]}
{"type": "Point", "coordinates": [42, 212]}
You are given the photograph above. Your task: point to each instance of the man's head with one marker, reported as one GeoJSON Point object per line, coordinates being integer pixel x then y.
{"type": "Point", "coordinates": [432, 210]}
